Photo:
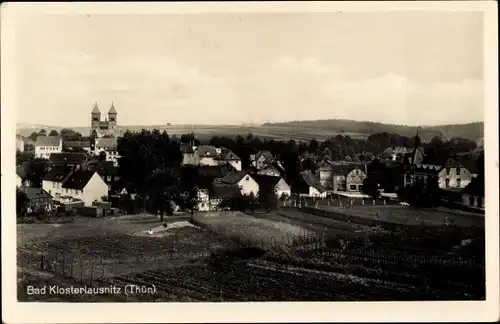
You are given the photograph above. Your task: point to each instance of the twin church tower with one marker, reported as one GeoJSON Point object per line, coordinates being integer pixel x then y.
{"type": "Point", "coordinates": [108, 126]}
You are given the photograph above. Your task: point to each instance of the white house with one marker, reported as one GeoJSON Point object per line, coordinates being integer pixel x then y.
{"type": "Point", "coordinates": [262, 159]}
{"type": "Point", "coordinates": [108, 145]}
{"type": "Point", "coordinates": [227, 156]}
{"type": "Point", "coordinates": [46, 145]}
{"type": "Point", "coordinates": [63, 182]}
{"type": "Point", "coordinates": [308, 185]}
{"type": "Point", "coordinates": [242, 179]}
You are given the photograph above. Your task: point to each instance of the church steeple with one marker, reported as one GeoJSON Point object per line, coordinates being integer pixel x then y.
{"type": "Point", "coordinates": [112, 110]}
{"type": "Point", "coordinates": [96, 109]}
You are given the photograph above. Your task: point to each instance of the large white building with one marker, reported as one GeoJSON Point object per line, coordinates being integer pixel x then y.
{"type": "Point", "coordinates": [63, 182]}
{"type": "Point", "coordinates": [108, 145]}
{"type": "Point", "coordinates": [46, 145]}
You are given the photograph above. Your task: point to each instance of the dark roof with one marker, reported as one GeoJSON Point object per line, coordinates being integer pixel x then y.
{"type": "Point", "coordinates": [265, 181]}
{"type": "Point", "coordinates": [61, 158]}
{"type": "Point", "coordinates": [107, 142]}
{"type": "Point", "coordinates": [207, 151]}
{"type": "Point", "coordinates": [475, 187]}
{"type": "Point", "coordinates": [78, 179]}
{"type": "Point", "coordinates": [102, 167]}
{"type": "Point", "coordinates": [57, 173]}
{"type": "Point", "coordinates": [112, 110]}
{"type": "Point", "coordinates": [76, 143]}
{"type": "Point", "coordinates": [268, 167]}
{"type": "Point", "coordinates": [32, 192]}
{"type": "Point", "coordinates": [312, 180]}
{"type": "Point", "coordinates": [96, 110]}
{"type": "Point", "coordinates": [231, 178]}
{"type": "Point", "coordinates": [226, 191]}
{"type": "Point", "coordinates": [469, 163]}
{"type": "Point", "coordinates": [344, 169]}
{"type": "Point", "coordinates": [228, 155]}
{"type": "Point", "coordinates": [48, 141]}
{"type": "Point", "coordinates": [207, 174]}
{"type": "Point", "coordinates": [267, 155]}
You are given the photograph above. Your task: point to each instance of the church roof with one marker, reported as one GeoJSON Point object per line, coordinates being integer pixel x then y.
{"type": "Point", "coordinates": [96, 109]}
{"type": "Point", "coordinates": [112, 110]}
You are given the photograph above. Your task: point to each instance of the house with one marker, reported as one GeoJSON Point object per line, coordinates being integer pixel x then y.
{"type": "Point", "coordinates": [38, 199]}
{"type": "Point", "coordinates": [325, 171]}
{"type": "Point", "coordinates": [308, 185]}
{"type": "Point", "coordinates": [241, 179]}
{"type": "Point", "coordinates": [354, 179]}
{"type": "Point", "coordinates": [208, 155]}
{"type": "Point", "coordinates": [450, 173]}
{"type": "Point", "coordinates": [205, 179]}
{"type": "Point", "coordinates": [393, 153]}
{"type": "Point", "coordinates": [84, 185]}
{"type": "Point", "coordinates": [473, 194]}
{"type": "Point", "coordinates": [67, 159]}
{"type": "Point", "coordinates": [108, 145]}
{"type": "Point", "coordinates": [78, 146]}
{"type": "Point", "coordinates": [190, 156]}
{"type": "Point", "coordinates": [272, 183]}
{"type": "Point", "coordinates": [269, 170]}
{"type": "Point", "coordinates": [261, 159]}
{"type": "Point", "coordinates": [227, 156]}
{"type": "Point", "coordinates": [46, 145]}
{"type": "Point", "coordinates": [19, 143]}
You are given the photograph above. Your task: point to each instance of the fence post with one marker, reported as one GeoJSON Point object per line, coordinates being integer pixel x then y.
{"type": "Point", "coordinates": [384, 202]}
{"type": "Point", "coordinates": [351, 202]}
{"type": "Point", "coordinates": [373, 202]}
{"type": "Point", "coordinates": [340, 203]}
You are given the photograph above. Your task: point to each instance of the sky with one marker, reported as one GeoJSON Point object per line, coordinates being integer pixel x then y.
{"type": "Point", "coordinates": [412, 68]}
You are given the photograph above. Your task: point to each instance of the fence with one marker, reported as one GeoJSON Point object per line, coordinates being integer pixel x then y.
{"type": "Point", "coordinates": [335, 202]}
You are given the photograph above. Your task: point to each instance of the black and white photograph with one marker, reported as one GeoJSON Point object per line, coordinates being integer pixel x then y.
{"type": "Point", "coordinates": [217, 154]}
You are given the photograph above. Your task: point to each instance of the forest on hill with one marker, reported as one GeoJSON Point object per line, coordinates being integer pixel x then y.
{"type": "Point", "coordinates": [472, 131]}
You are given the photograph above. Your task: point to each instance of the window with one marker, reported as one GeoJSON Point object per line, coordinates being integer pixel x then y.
{"type": "Point", "coordinates": [447, 182]}
{"type": "Point", "coordinates": [457, 170]}
{"type": "Point", "coordinates": [50, 192]}
{"type": "Point", "coordinates": [459, 182]}
{"type": "Point", "coordinates": [352, 187]}
{"type": "Point", "coordinates": [447, 171]}
{"type": "Point", "coordinates": [247, 178]}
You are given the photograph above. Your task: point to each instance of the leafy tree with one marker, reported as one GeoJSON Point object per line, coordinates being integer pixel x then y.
{"type": "Point", "coordinates": [162, 187]}
{"type": "Point", "coordinates": [370, 188]}
{"type": "Point", "coordinates": [21, 203]}
{"type": "Point", "coordinates": [102, 156]}
{"type": "Point", "coordinates": [42, 132]}
{"type": "Point", "coordinates": [53, 133]}
{"type": "Point", "coordinates": [22, 157]}
{"type": "Point", "coordinates": [33, 136]}
{"type": "Point", "coordinates": [267, 198]}
{"type": "Point", "coordinates": [189, 197]}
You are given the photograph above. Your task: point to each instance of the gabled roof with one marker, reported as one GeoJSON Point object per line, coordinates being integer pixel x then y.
{"type": "Point", "coordinates": [231, 178]}
{"type": "Point", "coordinates": [112, 110]}
{"type": "Point", "coordinates": [107, 142]}
{"type": "Point", "coordinates": [186, 148]}
{"type": "Point", "coordinates": [268, 168]}
{"type": "Point", "coordinates": [267, 155]}
{"type": "Point", "coordinates": [469, 163]}
{"type": "Point", "coordinates": [228, 155]}
{"type": "Point", "coordinates": [63, 158]}
{"type": "Point", "coordinates": [78, 179]}
{"type": "Point", "coordinates": [33, 192]}
{"type": "Point", "coordinates": [312, 180]}
{"type": "Point", "coordinates": [207, 151]}
{"type": "Point", "coordinates": [344, 169]}
{"type": "Point", "coordinates": [48, 141]}
{"type": "Point", "coordinates": [96, 110]}
{"type": "Point", "coordinates": [57, 173]}
{"type": "Point", "coordinates": [81, 144]}
{"type": "Point", "coordinates": [102, 167]}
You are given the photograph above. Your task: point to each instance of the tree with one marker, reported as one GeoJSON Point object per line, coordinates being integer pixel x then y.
{"type": "Point", "coordinates": [189, 197]}
{"type": "Point", "coordinates": [163, 190]}
{"type": "Point", "coordinates": [102, 156]}
{"type": "Point", "coordinates": [33, 136]}
{"type": "Point", "coordinates": [53, 133]}
{"type": "Point", "coordinates": [21, 203]}
{"type": "Point", "coordinates": [370, 187]}
{"type": "Point", "coordinates": [42, 132]}
{"type": "Point", "coordinates": [267, 198]}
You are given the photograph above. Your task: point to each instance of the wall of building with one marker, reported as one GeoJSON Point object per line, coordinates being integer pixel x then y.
{"type": "Point", "coordinates": [338, 182]}
{"type": "Point", "coordinates": [313, 192]}
{"type": "Point", "coordinates": [236, 164]}
{"type": "Point", "coordinates": [94, 190]}
{"type": "Point", "coordinates": [326, 178]}
{"type": "Point", "coordinates": [454, 178]}
{"type": "Point", "coordinates": [208, 161]}
{"type": "Point", "coordinates": [248, 185]}
{"type": "Point", "coordinates": [43, 152]}
{"type": "Point", "coordinates": [282, 188]}
{"type": "Point", "coordinates": [473, 201]}
{"type": "Point", "coordinates": [354, 180]}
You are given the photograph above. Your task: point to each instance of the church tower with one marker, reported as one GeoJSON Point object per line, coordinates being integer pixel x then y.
{"type": "Point", "coordinates": [112, 115]}
{"type": "Point", "coordinates": [96, 118]}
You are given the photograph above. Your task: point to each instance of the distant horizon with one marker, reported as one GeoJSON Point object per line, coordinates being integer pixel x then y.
{"type": "Point", "coordinates": [249, 124]}
{"type": "Point", "coordinates": [400, 68]}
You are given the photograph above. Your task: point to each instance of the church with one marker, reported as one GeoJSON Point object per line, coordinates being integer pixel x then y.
{"type": "Point", "coordinates": [108, 126]}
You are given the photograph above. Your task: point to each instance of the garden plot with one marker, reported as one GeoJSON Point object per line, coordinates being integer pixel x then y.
{"type": "Point", "coordinates": [252, 230]}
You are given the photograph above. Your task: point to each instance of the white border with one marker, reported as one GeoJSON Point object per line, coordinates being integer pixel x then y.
{"type": "Point", "coordinates": [14, 312]}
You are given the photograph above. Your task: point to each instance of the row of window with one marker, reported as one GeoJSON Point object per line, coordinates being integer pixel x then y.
{"type": "Point", "coordinates": [67, 191]}
{"type": "Point", "coordinates": [457, 170]}
{"type": "Point", "coordinates": [447, 182]}
{"type": "Point", "coordinates": [49, 148]}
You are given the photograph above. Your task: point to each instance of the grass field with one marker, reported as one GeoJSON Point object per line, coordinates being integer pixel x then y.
{"type": "Point", "coordinates": [197, 263]}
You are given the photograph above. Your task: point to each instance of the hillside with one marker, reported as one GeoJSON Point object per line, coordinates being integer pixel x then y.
{"type": "Point", "coordinates": [472, 131]}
